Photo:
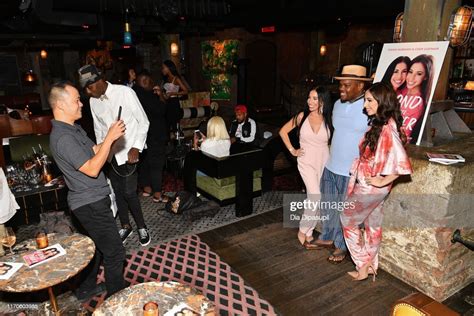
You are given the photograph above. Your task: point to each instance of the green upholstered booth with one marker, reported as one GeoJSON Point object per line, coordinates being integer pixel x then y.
{"type": "Point", "coordinates": [235, 178]}
{"type": "Point", "coordinates": [223, 189]}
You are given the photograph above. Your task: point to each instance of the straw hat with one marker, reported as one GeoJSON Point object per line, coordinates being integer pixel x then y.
{"type": "Point", "coordinates": [354, 72]}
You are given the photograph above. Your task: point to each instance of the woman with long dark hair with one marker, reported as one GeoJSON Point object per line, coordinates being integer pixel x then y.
{"type": "Point", "coordinates": [414, 97]}
{"type": "Point", "coordinates": [314, 129]}
{"type": "Point", "coordinates": [173, 88]}
{"type": "Point", "coordinates": [382, 160]}
{"type": "Point", "coordinates": [396, 73]}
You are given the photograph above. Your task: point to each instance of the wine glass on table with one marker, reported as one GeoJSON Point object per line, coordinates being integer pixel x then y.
{"type": "Point", "coordinates": [9, 239]}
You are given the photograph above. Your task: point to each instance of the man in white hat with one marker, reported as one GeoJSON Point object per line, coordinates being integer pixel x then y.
{"type": "Point", "coordinates": [350, 124]}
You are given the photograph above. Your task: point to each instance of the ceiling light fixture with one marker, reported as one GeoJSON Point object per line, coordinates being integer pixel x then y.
{"type": "Point", "coordinates": [460, 26]}
{"type": "Point", "coordinates": [127, 34]}
{"type": "Point", "coordinates": [44, 54]}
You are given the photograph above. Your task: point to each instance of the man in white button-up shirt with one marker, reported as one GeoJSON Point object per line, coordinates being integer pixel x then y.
{"type": "Point", "coordinates": [105, 101]}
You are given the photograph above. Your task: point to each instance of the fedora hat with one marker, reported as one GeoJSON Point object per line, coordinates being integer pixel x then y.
{"type": "Point", "coordinates": [353, 72]}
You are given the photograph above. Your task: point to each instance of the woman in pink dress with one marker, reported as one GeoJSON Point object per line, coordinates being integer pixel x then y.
{"type": "Point", "coordinates": [314, 127]}
{"type": "Point", "coordinates": [382, 160]}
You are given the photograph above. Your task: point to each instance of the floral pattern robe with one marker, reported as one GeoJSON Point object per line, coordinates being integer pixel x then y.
{"type": "Point", "coordinates": [364, 202]}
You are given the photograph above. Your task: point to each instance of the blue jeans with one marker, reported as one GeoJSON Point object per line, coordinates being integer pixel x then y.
{"type": "Point", "coordinates": [333, 191]}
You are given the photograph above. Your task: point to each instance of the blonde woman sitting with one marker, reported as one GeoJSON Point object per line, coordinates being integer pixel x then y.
{"type": "Point", "coordinates": [217, 142]}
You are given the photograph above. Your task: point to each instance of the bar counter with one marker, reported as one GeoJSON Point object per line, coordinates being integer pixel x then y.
{"type": "Point", "coordinates": [420, 216]}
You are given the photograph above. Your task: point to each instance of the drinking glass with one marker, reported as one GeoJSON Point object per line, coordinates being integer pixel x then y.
{"type": "Point", "coordinates": [9, 239]}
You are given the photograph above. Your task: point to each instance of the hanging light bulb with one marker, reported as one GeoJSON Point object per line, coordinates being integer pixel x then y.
{"type": "Point", "coordinates": [127, 34]}
{"type": "Point", "coordinates": [44, 54]}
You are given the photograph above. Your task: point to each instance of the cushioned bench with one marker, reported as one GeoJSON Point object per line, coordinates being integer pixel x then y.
{"type": "Point", "coordinates": [223, 190]}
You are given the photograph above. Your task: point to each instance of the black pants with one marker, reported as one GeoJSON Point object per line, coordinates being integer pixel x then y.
{"type": "Point", "coordinates": [153, 160]}
{"type": "Point", "coordinates": [124, 180]}
{"type": "Point", "coordinates": [270, 152]}
{"type": "Point", "coordinates": [240, 147]}
{"type": "Point", "coordinates": [189, 172]}
{"type": "Point", "coordinates": [97, 219]}
{"type": "Point", "coordinates": [173, 112]}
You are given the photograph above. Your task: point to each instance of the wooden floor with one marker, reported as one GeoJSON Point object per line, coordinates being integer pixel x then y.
{"type": "Point", "coordinates": [299, 282]}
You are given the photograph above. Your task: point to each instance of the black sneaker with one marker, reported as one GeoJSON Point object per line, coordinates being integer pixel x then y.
{"type": "Point", "coordinates": [84, 296]}
{"type": "Point", "coordinates": [143, 236]}
{"type": "Point", "coordinates": [125, 233]}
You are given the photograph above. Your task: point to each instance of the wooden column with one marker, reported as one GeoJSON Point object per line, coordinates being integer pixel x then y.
{"type": "Point", "coordinates": [428, 20]}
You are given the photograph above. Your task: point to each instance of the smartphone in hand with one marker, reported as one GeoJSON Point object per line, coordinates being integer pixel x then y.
{"type": "Point", "coordinates": [198, 134]}
{"type": "Point", "coordinates": [119, 113]}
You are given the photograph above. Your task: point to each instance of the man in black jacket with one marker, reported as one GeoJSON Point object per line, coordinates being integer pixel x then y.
{"type": "Point", "coordinates": [154, 157]}
{"type": "Point", "coordinates": [243, 131]}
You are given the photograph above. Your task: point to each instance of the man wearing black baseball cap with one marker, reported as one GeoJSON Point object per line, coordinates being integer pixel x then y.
{"type": "Point", "coordinates": [105, 101]}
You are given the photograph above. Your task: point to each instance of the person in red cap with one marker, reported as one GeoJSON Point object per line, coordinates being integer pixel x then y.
{"type": "Point", "coordinates": [242, 130]}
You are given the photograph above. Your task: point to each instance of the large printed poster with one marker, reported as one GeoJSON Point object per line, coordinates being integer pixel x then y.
{"type": "Point", "coordinates": [412, 69]}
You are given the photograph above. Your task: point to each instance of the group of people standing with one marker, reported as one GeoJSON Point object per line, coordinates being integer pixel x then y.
{"type": "Point", "coordinates": [350, 152]}
{"type": "Point", "coordinates": [132, 124]}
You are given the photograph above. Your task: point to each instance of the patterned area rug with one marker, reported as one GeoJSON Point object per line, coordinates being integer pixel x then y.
{"type": "Point", "coordinates": [190, 261]}
{"type": "Point", "coordinates": [164, 226]}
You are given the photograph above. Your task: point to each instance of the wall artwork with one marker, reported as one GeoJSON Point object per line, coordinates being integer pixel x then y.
{"type": "Point", "coordinates": [412, 69]}
{"type": "Point", "coordinates": [218, 63]}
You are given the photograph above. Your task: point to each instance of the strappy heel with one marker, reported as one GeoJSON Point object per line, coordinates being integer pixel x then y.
{"type": "Point", "coordinates": [363, 273]}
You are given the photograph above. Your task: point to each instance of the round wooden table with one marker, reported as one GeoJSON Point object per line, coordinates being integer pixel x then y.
{"type": "Point", "coordinates": [80, 250]}
{"type": "Point", "coordinates": [167, 295]}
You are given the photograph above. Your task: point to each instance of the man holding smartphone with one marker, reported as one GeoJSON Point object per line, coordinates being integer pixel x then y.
{"type": "Point", "coordinates": [105, 102]}
{"type": "Point", "coordinates": [81, 162]}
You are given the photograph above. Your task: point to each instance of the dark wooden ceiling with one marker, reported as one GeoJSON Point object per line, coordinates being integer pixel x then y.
{"type": "Point", "coordinates": [104, 18]}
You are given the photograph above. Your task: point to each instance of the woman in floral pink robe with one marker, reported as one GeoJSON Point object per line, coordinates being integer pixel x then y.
{"type": "Point", "coordinates": [382, 159]}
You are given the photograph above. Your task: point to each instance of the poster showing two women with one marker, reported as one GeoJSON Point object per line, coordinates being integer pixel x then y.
{"type": "Point", "coordinates": [412, 69]}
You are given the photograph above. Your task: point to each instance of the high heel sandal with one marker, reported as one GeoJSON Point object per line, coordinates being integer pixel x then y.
{"type": "Point", "coordinates": [301, 238]}
{"type": "Point", "coordinates": [307, 242]}
{"type": "Point", "coordinates": [361, 275]}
